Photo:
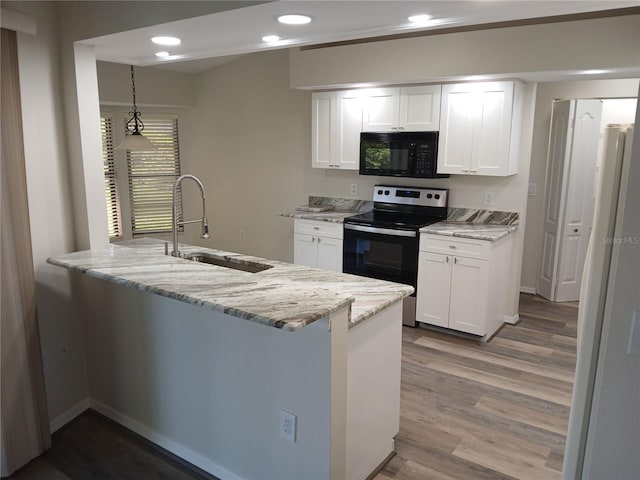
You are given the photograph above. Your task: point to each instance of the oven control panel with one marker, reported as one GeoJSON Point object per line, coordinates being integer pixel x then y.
{"type": "Point", "coordinates": [426, 197]}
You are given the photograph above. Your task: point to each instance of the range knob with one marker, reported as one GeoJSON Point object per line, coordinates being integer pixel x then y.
{"type": "Point", "coordinates": [437, 196]}
{"type": "Point", "coordinates": [386, 192]}
{"type": "Point", "coordinates": [429, 195]}
{"type": "Point", "coordinates": [379, 192]}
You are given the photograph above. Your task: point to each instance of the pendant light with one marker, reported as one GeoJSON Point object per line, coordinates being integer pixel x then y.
{"type": "Point", "coordinates": [135, 140]}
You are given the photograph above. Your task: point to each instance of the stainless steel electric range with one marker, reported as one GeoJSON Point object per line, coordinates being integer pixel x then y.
{"type": "Point", "coordinates": [383, 243]}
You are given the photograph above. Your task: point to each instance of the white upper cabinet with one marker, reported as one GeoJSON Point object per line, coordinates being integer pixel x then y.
{"type": "Point", "coordinates": [480, 128]}
{"type": "Point", "coordinates": [336, 125]}
{"type": "Point", "coordinates": [402, 109]}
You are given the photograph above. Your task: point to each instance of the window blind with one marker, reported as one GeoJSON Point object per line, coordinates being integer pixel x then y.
{"type": "Point", "coordinates": [110, 186]}
{"type": "Point", "coordinates": [152, 174]}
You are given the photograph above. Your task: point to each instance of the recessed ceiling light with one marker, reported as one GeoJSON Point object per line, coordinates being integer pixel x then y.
{"type": "Point", "coordinates": [162, 54]}
{"type": "Point", "coordinates": [422, 19]}
{"type": "Point", "coordinates": [166, 41]}
{"type": "Point", "coordinates": [270, 38]}
{"type": "Point", "coordinates": [294, 19]}
{"type": "Point", "coordinates": [593, 72]}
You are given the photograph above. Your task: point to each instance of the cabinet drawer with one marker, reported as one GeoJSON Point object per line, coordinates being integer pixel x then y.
{"type": "Point", "coordinates": [323, 229]}
{"type": "Point", "coordinates": [460, 247]}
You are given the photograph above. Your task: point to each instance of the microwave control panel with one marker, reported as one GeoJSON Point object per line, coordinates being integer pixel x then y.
{"type": "Point", "coordinates": [425, 159]}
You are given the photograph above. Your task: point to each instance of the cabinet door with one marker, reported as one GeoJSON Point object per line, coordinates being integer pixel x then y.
{"type": "Point", "coordinates": [329, 253]}
{"type": "Point", "coordinates": [305, 250]}
{"type": "Point", "coordinates": [323, 121]}
{"type": "Point", "coordinates": [381, 110]}
{"type": "Point", "coordinates": [492, 129]}
{"type": "Point", "coordinates": [348, 128]}
{"type": "Point", "coordinates": [420, 108]}
{"type": "Point", "coordinates": [432, 294]}
{"type": "Point", "coordinates": [469, 295]}
{"type": "Point", "coordinates": [456, 129]}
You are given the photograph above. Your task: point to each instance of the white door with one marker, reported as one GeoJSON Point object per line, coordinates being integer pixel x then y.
{"type": "Point", "coordinates": [469, 295]}
{"type": "Point", "coordinates": [434, 281]}
{"type": "Point", "coordinates": [305, 250]}
{"type": "Point", "coordinates": [573, 150]}
{"type": "Point", "coordinates": [381, 110]}
{"type": "Point", "coordinates": [420, 108]}
{"type": "Point", "coordinates": [329, 253]}
{"type": "Point", "coordinates": [559, 148]}
{"type": "Point", "coordinates": [580, 194]}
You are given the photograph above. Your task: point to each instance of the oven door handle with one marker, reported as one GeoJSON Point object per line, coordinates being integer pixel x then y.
{"type": "Point", "coordinates": [382, 231]}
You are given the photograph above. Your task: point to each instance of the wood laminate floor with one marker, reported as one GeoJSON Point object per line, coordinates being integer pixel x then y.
{"type": "Point", "coordinates": [488, 411]}
{"type": "Point", "coordinates": [469, 410]}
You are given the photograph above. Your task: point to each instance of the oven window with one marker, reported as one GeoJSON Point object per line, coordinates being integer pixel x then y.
{"type": "Point", "coordinates": [382, 257]}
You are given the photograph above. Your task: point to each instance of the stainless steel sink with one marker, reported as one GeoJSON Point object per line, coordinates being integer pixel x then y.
{"type": "Point", "coordinates": [234, 263]}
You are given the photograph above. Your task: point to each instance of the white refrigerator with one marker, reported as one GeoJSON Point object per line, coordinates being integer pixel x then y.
{"type": "Point", "coordinates": [605, 411]}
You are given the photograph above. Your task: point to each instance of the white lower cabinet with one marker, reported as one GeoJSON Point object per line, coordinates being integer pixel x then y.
{"type": "Point", "coordinates": [460, 283]}
{"type": "Point", "coordinates": [318, 244]}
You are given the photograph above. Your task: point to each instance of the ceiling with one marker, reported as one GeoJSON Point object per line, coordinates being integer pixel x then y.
{"type": "Point", "coordinates": [213, 39]}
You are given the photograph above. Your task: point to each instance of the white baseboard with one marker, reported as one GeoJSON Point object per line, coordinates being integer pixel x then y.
{"type": "Point", "coordinates": [65, 417]}
{"type": "Point", "coordinates": [181, 451]}
{"type": "Point", "coordinates": [512, 319]}
{"type": "Point", "coordinates": [530, 290]}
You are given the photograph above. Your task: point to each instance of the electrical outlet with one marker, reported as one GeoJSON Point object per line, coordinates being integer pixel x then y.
{"type": "Point", "coordinates": [488, 198]}
{"type": "Point", "coordinates": [243, 234]}
{"type": "Point", "coordinates": [288, 423]}
{"type": "Point", "coordinates": [354, 189]}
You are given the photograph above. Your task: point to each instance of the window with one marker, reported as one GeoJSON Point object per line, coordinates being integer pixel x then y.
{"type": "Point", "coordinates": [110, 184]}
{"type": "Point", "coordinates": [148, 176]}
{"type": "Point", "coordinates": [152, 174]}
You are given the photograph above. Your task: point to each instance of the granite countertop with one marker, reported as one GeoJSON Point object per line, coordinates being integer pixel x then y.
{"type": "Point", "coordinates": [285, 296]}
{"type": "Point", "coordinates": [476, 231]}
{"type": "Point", "coordinates": [335, 209]}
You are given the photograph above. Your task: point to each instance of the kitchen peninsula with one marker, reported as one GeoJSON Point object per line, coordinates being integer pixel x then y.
{"type": "Point", "coordinates": [289, 373]}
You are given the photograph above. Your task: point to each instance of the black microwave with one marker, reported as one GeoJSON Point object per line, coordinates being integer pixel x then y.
{"type": "Point", "coordinates": [399, 154]}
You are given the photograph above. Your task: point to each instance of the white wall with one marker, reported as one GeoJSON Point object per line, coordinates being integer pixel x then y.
{"type": "Point", "coordinates": [154, 87]}
{"type": "Point", "coordinates": [605, 43]}
{"type": "Point", "coordinates": [249, 141]}
{"type": "Point", "coordinates": [50, 208]}
{"type": "Point", "coordinates": [547, 92]}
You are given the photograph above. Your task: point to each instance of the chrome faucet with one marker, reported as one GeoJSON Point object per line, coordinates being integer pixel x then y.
{"type": "Point", "coordinates": [176, 224]}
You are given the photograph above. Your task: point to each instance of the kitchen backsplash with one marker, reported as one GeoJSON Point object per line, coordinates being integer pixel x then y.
{"type": "Point", "coordinates": [341, 204]}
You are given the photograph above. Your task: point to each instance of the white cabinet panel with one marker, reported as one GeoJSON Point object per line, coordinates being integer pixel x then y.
{"type": "Point", "coordinates": [432, 300]}
{"type": "Point", "coordinates": [402, 109]}
{"type": "Point", "coordinates": [304, 250]}
{"type": "Point", "coordinates": [420, 108]}
{"type": "Point", "coordinates": [461, 283]}
{"type": "Point", "coordinates": [336, 124]}
{"type": "Point", "coordinates": [323, 111]}
{"type": "Point", "coordinates": [469, 295]}
{"type": "Point", "coordinates": [318, 244]}
{"type": "Point", "coordinates": [329, 254]}
{"type": "Point", "coordinates": [381, 111]}
{"type": "Point", "coordinates": [479, 128]}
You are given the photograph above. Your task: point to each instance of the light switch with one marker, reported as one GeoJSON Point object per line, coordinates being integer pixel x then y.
{"type": "Point", "coordinates": [634, 336]}
{"type": "Point", "coordinates": [532, 189]}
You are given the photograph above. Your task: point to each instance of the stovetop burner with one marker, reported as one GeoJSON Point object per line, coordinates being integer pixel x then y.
{"type": "Point", "coordinates": [393, 220]}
